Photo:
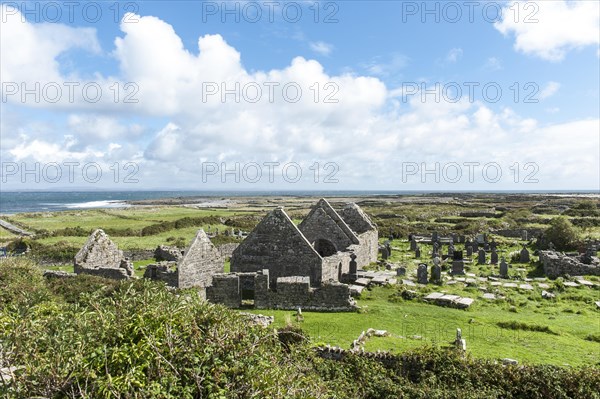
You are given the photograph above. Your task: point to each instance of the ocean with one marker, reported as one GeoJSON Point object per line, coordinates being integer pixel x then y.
{"type": "Point", "coordinates": [12, 202]}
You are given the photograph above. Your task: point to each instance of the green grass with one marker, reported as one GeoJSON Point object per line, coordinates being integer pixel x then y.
{"type": "Point", "coordinates": [437, 325]}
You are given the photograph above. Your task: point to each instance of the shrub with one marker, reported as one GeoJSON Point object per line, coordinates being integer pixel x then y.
{"type": "Point", "coordinates": [561, 233]}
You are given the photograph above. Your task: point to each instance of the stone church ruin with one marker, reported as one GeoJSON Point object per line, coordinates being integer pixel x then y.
{"type": "Point", "coordinates": [278, 265]}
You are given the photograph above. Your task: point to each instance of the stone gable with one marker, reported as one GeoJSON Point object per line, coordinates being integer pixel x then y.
{"type": "Point", "coordinates": [357, 219]}
{"type": "Point", "coordinates": [200, 262]}
{"type": "Point", "coordinates": [278, 245]}
{"type": "Point", "coordinates": [100, 256]}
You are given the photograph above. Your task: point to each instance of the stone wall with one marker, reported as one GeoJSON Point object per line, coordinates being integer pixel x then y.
{"type": "Point", "coordinates": [200, 262]}
{"type": "Point", "coordinates": [163, 271]}
{"type": "Point", "coordinates": [292, 293]}
{"type": "Point", "coordinates": [276, 244]}
{"type": "Point", "coordinates": [138, 254]}
{"type": "Point", "coordinates": [323, 223]}
{"type": "Point", "coordinates": [226, 250]}
{"type": "Point", "coordinates": [557, 264]}
{"type": "Point", "coordinates": [368, 248]}
{"type": "Point", "coordinates": [101, 257]}
{"type": "Point", "coordinates": [225, 289]}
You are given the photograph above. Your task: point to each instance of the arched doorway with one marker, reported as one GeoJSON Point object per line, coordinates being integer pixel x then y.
{"type": "Point", "coordinates": [325, 247]}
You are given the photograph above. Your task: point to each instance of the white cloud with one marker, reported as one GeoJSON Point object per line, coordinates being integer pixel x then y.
{"type": "Point", "coordinates": [368, 132]}
{"type": "Point", "coordinates": [493, 64]}
{"type": "Point", "coordinates": [549, 90]}
{"type": "Point", "coordinates": [454, 55]}
{"type": "Point", "coordinates": [549, 29]}
{"type": "Point", "coordinates": [321, 47]}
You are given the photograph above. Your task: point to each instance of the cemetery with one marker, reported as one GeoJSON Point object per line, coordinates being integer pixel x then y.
{"type": "Point", "coordinates": [398, 276]}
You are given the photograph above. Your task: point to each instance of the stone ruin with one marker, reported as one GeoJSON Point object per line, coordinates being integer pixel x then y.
{"type": "Point", "coordinates": [558, 264]}
{"type": "Point", "coordinates": [283, 266]}
{"type": "Point", "coordinates": [200, 261]}
{"type": "Point", "coordinates": [320, 247]}
{"type": "Point", "coordinates": [100, 256]}
{"type": "Point", "coordinates": [291, 293]}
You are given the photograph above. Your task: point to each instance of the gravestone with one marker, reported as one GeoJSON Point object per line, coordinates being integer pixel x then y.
{"type": "Point", "coordinates": [493, 245]}
{"type": "Point", "coordinates": [418, 253]}
{"type": "Point", "coordinates": [459, 342]}
{"type": "Point", "coordinates": [451, 250]}
{"type": "Point", "coordinates": [435, 250]}
{"type": "Point", "coordinates": [353, 268]}
{"type": "Point", "coordinates": [481, 258]}
{"type": "Point", "coordinates": [479, 238]}
{"type": "Point", "coordinates": [469, 248]}
{"type": "Point", "coordinates": [524, 255]}
{"type": "Point", "coordinates": [503, 268]}
{"type": "Point", "coordinates": [458, 255]}
{"type": "Point", "coordinates": [458, 266]}
{"type": "Point", "coordinates": [475, 246]}
{"type": "Point", "coordinates": [401, 271]}
{"type": "Point", "coordinates": [388, 246]}
{"type": "Point", "coordinates": [413, 244]}
{"type": "Point", "coordinates": [494, 260]}
{"type": "Point", "coordinates": [524, 235]}
{"type": "Point", "coordinates": [384, 253]}
{"type": "Point", "coordinates": [486, 246]}
{"type": "Point", "coordinates": [436, 274]}
{"type": "Point", "coordinates": [422, 273]}
{"type": "Point", "coordinates": [434, 236]}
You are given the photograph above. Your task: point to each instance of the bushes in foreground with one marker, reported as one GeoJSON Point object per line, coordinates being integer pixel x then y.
{"type": "Point", "coordinates": [90, 338]}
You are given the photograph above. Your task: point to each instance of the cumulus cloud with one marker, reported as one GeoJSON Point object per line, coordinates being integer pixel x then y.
{"type": "Point", "coordinates": [212, 109]}
{"type": "Point", "coordinates": [549, 29]}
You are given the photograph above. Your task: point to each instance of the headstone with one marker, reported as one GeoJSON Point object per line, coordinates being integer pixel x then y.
{"type": "Point", "coordinates": [384, 253]}
{"type": "Point", "coordinates": [413, 244]}
{"type": "Point", "coordinates": [486, 246]}
{"type": "Point", "coordinates": [479, 238]}
{"type": "Point", "coordinates": [459, 342]}
{"type": "Point", "coordinates": [422, 274]}
{"type": "Point", "coordinates": [494, 260]}
{"type": "Point", "coordinates": [493, 245]}
{"type": "Point", "coordinates": [435, 250]}
{"type": "Point", "coordinates": [524, 235]}
{"type": "Point", "coordinates": [469, 248]}
{"type": "Point", "coordinates": [434, 236]}
{"type": "Point", "coordinates": [503, 268]}
{"type": "Point", "coordinates": [353, 268]}
{"type": "Point", "coordinates": [436, 274]}
{"type": "Point", "coordinates": [475, 246]}
{"type": "Point", "coordinates": [481, 258]}
{"type": "Point", "coordinates": [458, 255]}
{"type": "Point", "coordinates": [401, 271]}
{"type": "Point", "coordinates": [458, 267]}
{"type": "Point", "coordinates": [388, 246]}
{"type": "Point", "coordinates": [418, 253]}
{"type": "Point", "coordinates": [524, 255]}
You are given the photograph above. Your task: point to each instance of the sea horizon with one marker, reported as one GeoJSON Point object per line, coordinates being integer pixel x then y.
{"type": "Point", "coordinates": [27, 201]}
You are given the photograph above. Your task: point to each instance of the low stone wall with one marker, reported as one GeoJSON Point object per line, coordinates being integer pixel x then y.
{"type": "Point", "coordinates": [139, 254]}
{"type": "Point", "coordinates": [115, 274]}
{"type": "Point", "coordinates": [295, 292]}
{"type": "Point", "coordinates": [163, 271]}
{"type": "Point", "coordinates": [517, 233]}
{"type": "Point", "coordinates": [291, 293]}
{"type": "Point", "coordinates": [557, 264]}
{"type": "Point", "coordinates": [225, 289]}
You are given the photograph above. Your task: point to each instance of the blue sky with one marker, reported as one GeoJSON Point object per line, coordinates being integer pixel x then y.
{"type": "Point", "coordinates": [376, 57]}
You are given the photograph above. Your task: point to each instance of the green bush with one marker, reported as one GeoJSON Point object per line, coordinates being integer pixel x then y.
{"type": "Point", "coordinates": [561, 233]}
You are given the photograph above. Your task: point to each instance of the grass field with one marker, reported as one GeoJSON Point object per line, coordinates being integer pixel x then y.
{"type": "Point", "coordinates": [569, 324]}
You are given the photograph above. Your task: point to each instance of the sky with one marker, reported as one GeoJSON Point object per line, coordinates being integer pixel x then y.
{"type": "Point", "coordinates": [300, 95]}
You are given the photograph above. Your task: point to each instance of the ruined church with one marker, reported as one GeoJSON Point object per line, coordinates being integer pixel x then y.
{"type": "Point", "coordinates": [320, 248]}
